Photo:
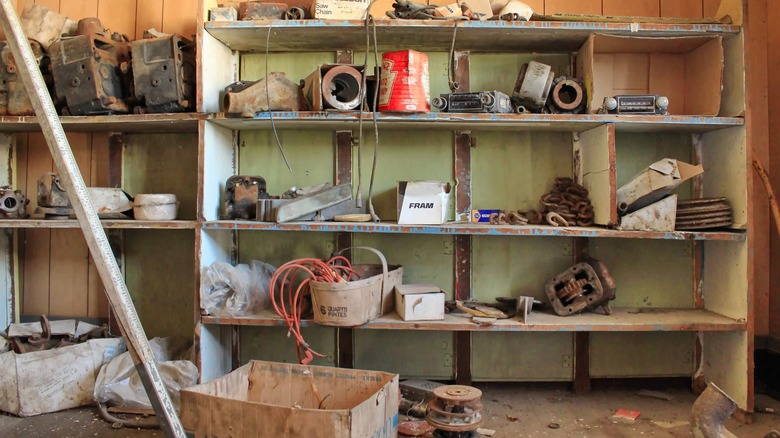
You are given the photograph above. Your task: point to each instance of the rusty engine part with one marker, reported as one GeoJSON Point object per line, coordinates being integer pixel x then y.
{"type": "Point", "coordinates": [53, 202]}
{"type": "Point", "coordinates": [14, 100]}
{"type": "Point", "coordinates": [90, 25]}
{"type": "Point", "coordinates": [47, 340]}
{"type": "Point", "coordinates": [478, 102]}
{"type": "Point", "coordinates": [295, 13]}
{"type": "Point", "coordinates": [586, 285]}
{"type": "Point", "coordinates": [704, 213]}
{"type": "Point", "coordinates": [87, 74]}
{"type": "Point", "coordinates": [163, 71]}
{"type": "Point", "coordinates": [569, 203]}
{"type": "Point", "coordinates": [567, 96]}
{"type": "Point", "coordinates": [261, 10]}
{"type": "Point", "coordinates": [710, 412]}
{"type": "Point", "coordinates": [13, 203]}
{"type": "Point", "coordinates": [533, 86]}
{"type": "Point", "coordinates": [455, 411]}
{"type": "Point", "coordinates": [334, 86]}
{"type": "Point", "coordinates": [635, 104]}
{"type": "Point", "coordinates": [242, 194]}
{"type": "Point", "coordinates": [273, 93]}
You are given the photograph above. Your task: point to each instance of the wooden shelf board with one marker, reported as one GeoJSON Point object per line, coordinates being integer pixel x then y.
{"type": "Point", "coordinates": [472, 229]}
{"type": "Point", "coordinates": [621, 319]}
{"type": "Point", "coordinates": [450, 121]}
{"type": "Point", "coordinates": [107, 223]}
{"type": "Point", "coordinates": [436, 35]}
{"type": "Point", "coordinates": [141, 123]}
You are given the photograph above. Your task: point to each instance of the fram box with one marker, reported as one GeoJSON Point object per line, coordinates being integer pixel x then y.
{"type": "Point", "coordinates": [280, 400]}
{"type": "Point", "coordinates": [423, 202]}
{"type": "Point", "coordinates": [482, 215]}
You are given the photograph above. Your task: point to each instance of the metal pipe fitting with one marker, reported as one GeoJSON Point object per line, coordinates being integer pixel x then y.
{"type": "Point", "coordinates": [710, 412]}
{"type": "Point", "coordinates": [341, 87]}
{"type": "Point", "coordinates": [567, 96]}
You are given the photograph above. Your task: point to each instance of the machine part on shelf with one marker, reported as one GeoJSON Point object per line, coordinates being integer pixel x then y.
{"type": "Point", "coordinates": [698, 214]}
{"type": "Point", "coordinates": [520, 109]}
{"type": "Point", "coordinates": [408, 10]}
{"type": "Point", "coordinates": [43, 24]}
{"type": "Point", "coordinates": [26, 340]}
{"type": "Point", "coordinates": [163, 72]}
{"type": "Point", "coordinates": [568, 200]}
{"type": "Point", "coordinates": [295, 13]}
{"type": "Point", "coordinates": [567, 96]}
{"type": "Point", "coordinates": [334, 86]}
{"type": "Point", "coordinates": [14, 100]}
{"type": "Point", "coordinates": [533, 86]}
{"type": "Point", "coordinates": [242, 194]}
{"type": "Point", "coordinates": [478, 102]}
{"type": "Point", "coordinates": [455, 411]}
{"type": "Point", "coordinates": [249, 10]}
{"type": "Point", "coordinates": [636, 104]}
{"type": "Point", "coordinates": [518, 11]}
{"type": "Point", "coordinates": [310, 203]}
{"type": "Point", "coordinates": [90, 25]}
{"type": "Point", "coordinates": [223, 14]}
{"type": "Point", "coordinates": [94, 234]}
{"type": "Point", "coordinates": [155, 207]}
{"type": "Point", "coordinates": [87, 74]}
{"type": "Point", "coordinates": [53, 202]}
{"type": "Point", "coordinates": [711, 411]}
{"type": "Point", "coordinates": [658, 216]}
{"type": "Point", "coordinates": [586, 285]}
{"type": "Point", "coordinates": [523, 308]}
{"type": "Point", "coordinates": [273, 93]}
{"type": "Point", "coordinates": [13, 203]}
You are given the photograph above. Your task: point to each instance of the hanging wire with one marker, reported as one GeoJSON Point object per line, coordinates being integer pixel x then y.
{"type": "Point", "coordinates": [451, 64]}
{"type": "Point", "coordinates": [268, 100]}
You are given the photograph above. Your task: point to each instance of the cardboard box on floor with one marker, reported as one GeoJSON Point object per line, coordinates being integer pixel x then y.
{"type": "Point", "coordinates": [268, 399]}
{"type": "Point", "coordinates": [687, 70]}
{"type": "Point", "coordinates": [53, 380]}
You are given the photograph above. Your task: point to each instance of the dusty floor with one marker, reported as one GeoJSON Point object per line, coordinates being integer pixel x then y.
{"type": "Point", "coordinates": [511, 410]}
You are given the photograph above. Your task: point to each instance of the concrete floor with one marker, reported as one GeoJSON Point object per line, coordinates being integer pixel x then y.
{"type": "Point", "coordinates": [513, 411]}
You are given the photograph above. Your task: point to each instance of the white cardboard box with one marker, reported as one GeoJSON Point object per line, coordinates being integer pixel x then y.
{"type": "Point", "coordinates": [350, 9]}
{"type": "Point", "coordinates": [654, 183]}
{"type": "Point", "coordinates": [419, 302]}
{"type": "Point", "coordinates": [423, 202]}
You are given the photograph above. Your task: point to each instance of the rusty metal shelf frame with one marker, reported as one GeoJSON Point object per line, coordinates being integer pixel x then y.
{"type": "Point", "coordinates": [484, 36]}
{"type": "Point", "coordinates": [107, 223]}
{"type": "Point", "coordinates": [622, 319]}
{"type": "Point", "coordinates": [491, 122]}
{"type": "Point", "coordinates": [129, 123]}
{"type": "Point", "coordinates": [473, 229]}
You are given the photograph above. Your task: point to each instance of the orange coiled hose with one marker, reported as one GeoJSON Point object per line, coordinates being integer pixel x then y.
{"type": "Point", "coordinates": [336, 270]}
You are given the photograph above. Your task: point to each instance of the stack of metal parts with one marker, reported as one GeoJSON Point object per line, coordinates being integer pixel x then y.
{"type": "Point", "coordinates": [24, 340]}
{"type": "Point", "coordinates": [567, 204]}
{"type": "Point", "coordinates": [455, 411]}
{"type": "Point", "coordinates": [538, 90]}
{"type": "Point", "coordinates": [584, 286]}
{"type": "Point", "coordinates": [699, 214]}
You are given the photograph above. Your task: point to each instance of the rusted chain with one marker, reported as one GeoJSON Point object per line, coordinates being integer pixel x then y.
{"type": "Point", "coordinates": [567, 203]}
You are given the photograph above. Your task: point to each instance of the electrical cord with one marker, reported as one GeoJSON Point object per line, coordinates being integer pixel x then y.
{"type": "Point", "coordinates": [451, 65]}
{"type": "Point", "coordinates": [371, 211]}
{"type": "Point", "coordinates": [268, 99]}
{"type": "Point", "coordinates": [329, 271]}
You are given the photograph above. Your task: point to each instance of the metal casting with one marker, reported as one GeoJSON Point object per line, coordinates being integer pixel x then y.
{"type": "Point", "coordinates": [242, 194]}
{"type": "Point", "coordinates": [455, 411]}
{"type": "Point", "coordinates": [13, 203]}
{"type": "Point", "coordinates": [533, 86]}
{"type": "Point", "coordinates": [163, 72]}
{"type": "Point", "coordinates": [273, 93]}
{"type": "Point", "coordinates": [586, 285]}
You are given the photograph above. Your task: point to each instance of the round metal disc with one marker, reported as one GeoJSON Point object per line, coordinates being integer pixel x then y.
{"type": "Point", "coordinates": [457, 393]}
{"type": "Point", "coordinates": [700, 201]}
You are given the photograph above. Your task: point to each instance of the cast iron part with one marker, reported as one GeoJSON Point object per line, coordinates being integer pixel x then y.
{"type": "Point", "coordinates": [273, 93]}
{"type": "Point", "coordinates": [477, 102]}
{"type": "Point", "coordinates": [261, 10]}
{"type": "Point", "coordinates": [52, 199]}
{"type": "Point", "coordinates": [87, 74]}
{"type": "Point", "coordinates": [455, 411]}
{"type": "Point", "coordinates": [710, 413]}
{"type": "Point", "coordinates": [334, 86]}
{"type": "Point", "coordinates": [567, 96]}
{"type": "Point", "coordinates": [14, 100]}
{"type": "Point", "coordinates": [13, 203]}
{"type": "Point", "coordinates": [586, 285]}
{"type": "Point", "coordinates": [533, 86]}
{"type": "Point", "coordinates": [703, 213]}
{"type": "Point", "coordinates": [164, 74]}
{"type": "Point", "coordinates": [242, 193]}
{"type": "Point", "coordinates": [647, 104]}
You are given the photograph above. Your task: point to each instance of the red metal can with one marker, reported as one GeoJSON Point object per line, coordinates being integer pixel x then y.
{"type": "Point", "coordinates": [404, 83]}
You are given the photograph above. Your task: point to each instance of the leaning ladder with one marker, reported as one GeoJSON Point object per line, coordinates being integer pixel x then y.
{"type": "Point", "coordinates": [114, 283]}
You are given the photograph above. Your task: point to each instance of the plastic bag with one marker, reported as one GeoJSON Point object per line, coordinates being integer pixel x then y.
{"type": "Point", "coordinates": [119, 385]}
{"type": "Point", "coordinates": [236, 290]}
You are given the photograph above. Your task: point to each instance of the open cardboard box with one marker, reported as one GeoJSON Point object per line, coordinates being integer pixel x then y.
{"type": "Point", "coordinates": [687, 70]}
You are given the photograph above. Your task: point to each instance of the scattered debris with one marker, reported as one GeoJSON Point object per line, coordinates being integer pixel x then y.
{"type": "Point", "coordinates": [512, 418]}
{"type": "Point", "coordinates": [553, 426]}
{"type": "Point", "coordinates": [486, 432]}
{"type": "Point", "coordinates": [414, 428]}
{"type": "Point", "coordinates": [625, 415]}
{"type": "Point", "coordinates": [656, 394]}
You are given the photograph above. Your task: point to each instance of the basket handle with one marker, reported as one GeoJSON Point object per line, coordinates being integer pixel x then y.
{"type": "Point", "coordinates": [381, 259]}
